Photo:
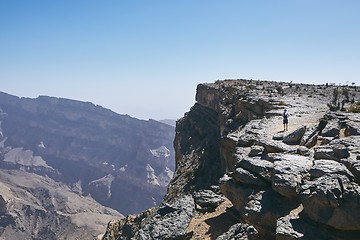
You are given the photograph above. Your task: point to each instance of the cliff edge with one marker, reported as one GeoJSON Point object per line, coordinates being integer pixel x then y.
{"type": "Point", "coordinates": [241, 175]}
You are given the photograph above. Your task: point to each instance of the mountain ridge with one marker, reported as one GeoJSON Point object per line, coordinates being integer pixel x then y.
{"type": "Point", "coordinates": [93, 153]}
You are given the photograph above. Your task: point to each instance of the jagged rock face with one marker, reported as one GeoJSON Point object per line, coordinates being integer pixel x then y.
{"type": "Point", "coordinates": [168, 221]}
{"type": "Point", "coordinates": [197, 158]}
{"type": "Point", "coordinates": [301, 184]}
{"type": "Point", "coordinates": [122, 162]}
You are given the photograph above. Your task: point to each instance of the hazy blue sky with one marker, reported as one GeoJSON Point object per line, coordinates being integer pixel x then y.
{"type": "Point", "coordinates": [145, 58]}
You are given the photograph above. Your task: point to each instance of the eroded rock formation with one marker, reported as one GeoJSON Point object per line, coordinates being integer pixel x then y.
{"type": "Point", "coordinates": [93, 154]}
{"type": "Point", "coordinates": [300, 184]}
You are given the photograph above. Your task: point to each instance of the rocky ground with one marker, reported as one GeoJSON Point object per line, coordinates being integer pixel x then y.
{"type": "Point", "coordinates": [297, 184]}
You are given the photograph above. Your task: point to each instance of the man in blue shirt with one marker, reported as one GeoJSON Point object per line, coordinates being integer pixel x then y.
{"type": "Point", "coordinates": [285, 120]}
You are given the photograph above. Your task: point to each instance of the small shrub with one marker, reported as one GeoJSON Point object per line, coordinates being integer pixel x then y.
{"type": "Point", "coordinates": [355, 108]}
{"type": "Point", "coordinates": [281, 103]}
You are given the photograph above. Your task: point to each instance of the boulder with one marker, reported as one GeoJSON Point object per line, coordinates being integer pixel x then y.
{"type": "Point", "coordinates": [312, 141]}
{"type": "Point", "coordinates": [324, 153]}
{"type": "Point", "coordinates": [240, 231]}
{"type": "Point", "coordinates": [258, 206]}
{"type": "Point", "coordinates": [325, 140]}
{"type": "Point", "coordinates": [340, 151]}
{"type": "Point", "coordinates": [295, 136]}
{"type": "Point", "coordinates": [243, 176]}
{"type": "Point", "coordinates": [353, 166]}
{"type": "Point", "coordinates": [309, 133]}
{"type": "Point", "coordinates": [352, 129]}
{"type": "Point", "coordinates": [285, 229]}
{"type": "Point", "coordinates": [352, 125]}
{"type": "Point", "coordinates": [258, 167]}
{"type": "Point", "coordinates": [246, 140]}
{"type": "Point", "coordinates": [256, 151]}
{"type": "Point", "coordinates": [291, 227]}
{"type": "Point", "coordinates": [264, 208]}
{"type": "Point", "coordinates": [322, 167]}
{"type": "Point", "coordinates": [272, 146]}
{"type": "Point", "coordinates": [207, 200]}
{"type": "Point", "coordinates": [352, 143]}
{"type": "Point", "coordinates": [304, 151]}
{"type": "Point", "coordinates": [289, 172]}
{"type": "Point", "coordinates": [332, 200]}
{"type": "Point", "coordinates": [278, 136]}
{"type": "Point", "coordinates": [332, 129]}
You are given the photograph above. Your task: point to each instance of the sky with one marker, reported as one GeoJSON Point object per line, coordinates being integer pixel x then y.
{"type": "Point", "coordinates": [145, 58]}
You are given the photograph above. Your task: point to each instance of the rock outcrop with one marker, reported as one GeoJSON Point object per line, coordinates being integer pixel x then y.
{"type": "Point", "coordinates": [301, 184]}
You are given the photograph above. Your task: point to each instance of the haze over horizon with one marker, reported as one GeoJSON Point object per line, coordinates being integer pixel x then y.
{"type": "Point", "coordinates": [145, 58]}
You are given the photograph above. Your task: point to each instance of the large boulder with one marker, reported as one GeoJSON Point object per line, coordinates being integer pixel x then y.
{"type": "Point", "coordinates": [207, 199]}
{"type": "Point", "coordinates": [289, 172]}
{"type": "Point", "coordinates": [243, 176]}
{"type": "Point", "coordinates": [322, 167]}
{"type": "Point", "coordinates": [309, 133]}
{"type": "Point", "coordinates": [272, 146]}
{"type": "Point", "coordinates": [332, 200]}
{"type": "Point", "coordinates": [340, 151]}
{"type": "Point", "coordinates": [353, 166]}
{"type": "Point", "coordinates": [295, 136]}
{"type": "Point", "coordinates": [332, 129]}
{"type": "Point", "coordinates": [256, 151]}
{"type": "Point", "coordinates": [298, 226]}
{"type": "Point", "coordinates": [260, 168]}
{"type": "Point", "coordinates": [258, 206]}
{"type": "Point", "coordinates": [324, 152]}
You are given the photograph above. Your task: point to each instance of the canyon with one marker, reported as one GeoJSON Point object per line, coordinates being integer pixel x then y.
{"type": "Point", "coordinates": [68, 167]}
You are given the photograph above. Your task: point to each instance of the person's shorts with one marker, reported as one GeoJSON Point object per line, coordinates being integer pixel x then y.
{"type": "Point", "coordinates": [285, 121]}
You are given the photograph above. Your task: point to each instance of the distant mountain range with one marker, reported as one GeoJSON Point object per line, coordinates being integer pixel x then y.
{"type": "Point", "coordinates": [67, 164]}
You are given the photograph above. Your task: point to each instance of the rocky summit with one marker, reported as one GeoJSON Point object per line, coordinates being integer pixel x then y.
{"type": "Point", "coordinates": [241, 175]}
{"type": "Point", "coordinates": [68, 167]}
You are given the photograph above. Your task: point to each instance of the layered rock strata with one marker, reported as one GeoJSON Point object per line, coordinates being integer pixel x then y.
{"type": "Point", "coordinates": [76, 157]}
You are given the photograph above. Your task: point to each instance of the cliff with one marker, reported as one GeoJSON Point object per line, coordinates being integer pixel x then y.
{"type": "Point", "coordinates": [56, 153]}
{"type": "Point", "coordinates": [240, 175]}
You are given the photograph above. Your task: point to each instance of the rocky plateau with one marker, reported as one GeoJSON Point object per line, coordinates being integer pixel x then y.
{"type": "Point", "coordinates": [233, 158]}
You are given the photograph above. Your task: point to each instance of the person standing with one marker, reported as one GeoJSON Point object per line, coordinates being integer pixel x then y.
{"type": "Point", "coordinates": [285, 120]}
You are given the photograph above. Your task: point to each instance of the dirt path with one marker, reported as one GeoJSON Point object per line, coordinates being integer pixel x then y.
{"type": "Point", "coordinates": [208, 226]}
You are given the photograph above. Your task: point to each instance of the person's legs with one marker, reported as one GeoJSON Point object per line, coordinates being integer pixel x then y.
{"type": "Point", "coordinates": [285, 122]}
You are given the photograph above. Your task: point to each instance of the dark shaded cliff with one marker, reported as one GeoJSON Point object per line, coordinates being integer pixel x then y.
{"type": "Point", "coordinates": [296, 184]}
